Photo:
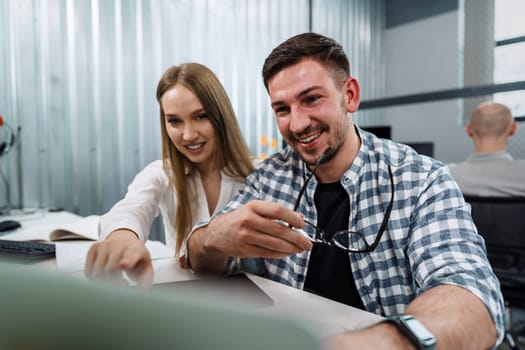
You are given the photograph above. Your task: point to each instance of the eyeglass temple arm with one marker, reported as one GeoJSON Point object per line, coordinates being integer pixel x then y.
{"type": "Point", "coordinates": [388, 210]}
{"type": "Point", "coordinates": [301, 192]}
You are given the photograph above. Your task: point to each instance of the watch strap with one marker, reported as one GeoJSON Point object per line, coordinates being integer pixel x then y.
{"type": "Point", "coordinates": [418, 334]}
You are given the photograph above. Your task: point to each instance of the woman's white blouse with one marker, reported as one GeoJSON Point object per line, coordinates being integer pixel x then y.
{"type": "Point", "coordinates": [150, 193]}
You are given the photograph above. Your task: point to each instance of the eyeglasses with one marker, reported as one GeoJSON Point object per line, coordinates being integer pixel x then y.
{"type": "Point", "coordinates": [349, 241]}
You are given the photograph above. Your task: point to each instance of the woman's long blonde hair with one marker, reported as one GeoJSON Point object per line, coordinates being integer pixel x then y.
{"type": "Point", "coordinates": [232, 154]}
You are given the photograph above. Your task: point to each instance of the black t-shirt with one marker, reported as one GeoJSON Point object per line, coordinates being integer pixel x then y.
{"type": "Point", "coordinates": [329, 273]}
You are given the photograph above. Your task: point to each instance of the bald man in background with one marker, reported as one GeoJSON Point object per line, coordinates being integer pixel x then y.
{"type": "Point", "coordinates": [490, 170]}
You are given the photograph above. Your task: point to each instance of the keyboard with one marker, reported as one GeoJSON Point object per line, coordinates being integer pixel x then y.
{"type": "Point", "coordinates": [24, 249]}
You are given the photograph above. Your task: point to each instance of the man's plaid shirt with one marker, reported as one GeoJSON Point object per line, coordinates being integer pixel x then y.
{"type": "Point", "coordinates": [430, 238]}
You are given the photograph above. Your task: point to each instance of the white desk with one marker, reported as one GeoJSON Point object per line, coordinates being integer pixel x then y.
{"type": "Point", "coordinates": [334, 317]}
{"type": "Point", "coordinates": [36, 219]}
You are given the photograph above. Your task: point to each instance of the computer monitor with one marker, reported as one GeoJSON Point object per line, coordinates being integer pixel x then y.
{"type": "Point", "coordinates": [42, 310]}
{"type": "Point", "coordinates": [425, 148]}
{"type": "Point", "coordinates": [383, 131]}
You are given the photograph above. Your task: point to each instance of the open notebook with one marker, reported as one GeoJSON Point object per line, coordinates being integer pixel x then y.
{"type": "Point", "coordinates": [41, 310]}
{"type": "Point", "coordinates": [83, 228]}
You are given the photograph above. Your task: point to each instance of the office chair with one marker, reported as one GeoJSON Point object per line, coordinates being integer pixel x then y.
{"type": "Point", "coordinates": [501, 222]}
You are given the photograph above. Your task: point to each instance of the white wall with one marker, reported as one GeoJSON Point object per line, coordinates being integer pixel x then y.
{"type": "Point", "coordinates": [423, 56]}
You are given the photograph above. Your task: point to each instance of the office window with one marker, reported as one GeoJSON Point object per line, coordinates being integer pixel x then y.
{"type": "Point", "coordinates": [509, 59]}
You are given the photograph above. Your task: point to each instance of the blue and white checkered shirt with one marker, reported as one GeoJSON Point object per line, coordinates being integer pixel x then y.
{"type": "Point", "coordinates": [430, 239]}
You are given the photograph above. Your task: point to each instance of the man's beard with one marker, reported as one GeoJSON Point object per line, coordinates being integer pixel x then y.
{"type": "Point", "coordinates": [331, 150]}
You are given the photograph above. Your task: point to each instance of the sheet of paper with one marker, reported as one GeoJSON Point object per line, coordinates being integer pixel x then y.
{"type": "Point", "coordinates": [71, 256]}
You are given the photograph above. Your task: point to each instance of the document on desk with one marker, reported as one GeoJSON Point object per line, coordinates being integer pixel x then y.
{"type": "Point", "coordinates": [71, 256]}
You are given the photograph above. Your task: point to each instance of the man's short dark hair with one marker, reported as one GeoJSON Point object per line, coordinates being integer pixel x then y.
{"type": "Point", "coordinates": [307, 46]}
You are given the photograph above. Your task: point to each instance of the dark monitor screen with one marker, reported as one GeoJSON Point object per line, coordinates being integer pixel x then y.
{"type": "Point", "coordinates": [425, 148]}
{"type": "Point", "coordinates": [384, 132]}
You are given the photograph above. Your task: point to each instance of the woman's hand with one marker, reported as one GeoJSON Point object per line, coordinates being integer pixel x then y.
{"type": "Point", "coordinates": [121, 252]}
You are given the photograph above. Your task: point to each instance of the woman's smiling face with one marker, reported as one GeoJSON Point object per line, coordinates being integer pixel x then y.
{"type": "Point", "coordinates": [188, 126]}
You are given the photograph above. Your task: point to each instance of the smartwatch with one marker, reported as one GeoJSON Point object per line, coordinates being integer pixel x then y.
{"type": "Point", "coordinates": [414, 330]}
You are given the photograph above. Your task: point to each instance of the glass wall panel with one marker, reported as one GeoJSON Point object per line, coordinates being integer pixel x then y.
{"type": "Point", "coordinates": [79, 79]}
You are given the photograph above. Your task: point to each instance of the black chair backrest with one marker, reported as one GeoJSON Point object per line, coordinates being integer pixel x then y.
{"type": "Point", "coordinates": [501, 222]}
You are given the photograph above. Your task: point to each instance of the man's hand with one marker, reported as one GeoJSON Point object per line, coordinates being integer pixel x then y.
{"type": "Point", "coordinates": [257, 229]}
{"type": "Point", "coordinates": [254, 230]}
{"type": "Point", "coordinates": [121, 252]}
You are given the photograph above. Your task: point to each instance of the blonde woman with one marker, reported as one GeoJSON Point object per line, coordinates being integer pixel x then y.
{"type": "Point", "coordinates": [204, 162]}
